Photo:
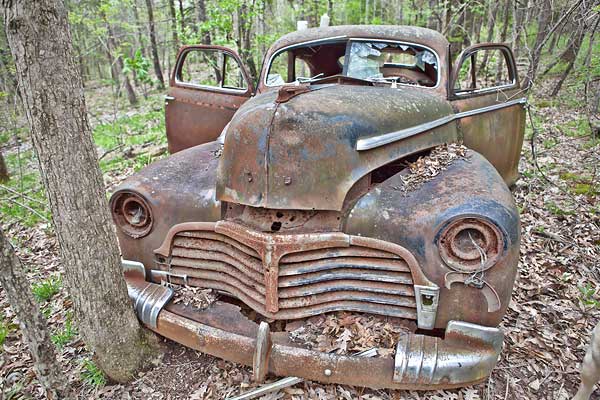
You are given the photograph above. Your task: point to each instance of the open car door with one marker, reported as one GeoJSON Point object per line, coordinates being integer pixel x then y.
{"type": "Point", "coordinates": [207, 86]}
{"type": "Point", "coordinates": [484, 89]}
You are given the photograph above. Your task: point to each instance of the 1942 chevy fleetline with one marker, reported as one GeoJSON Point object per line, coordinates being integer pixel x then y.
{"type": "Point", "coordinates": [293, 200]}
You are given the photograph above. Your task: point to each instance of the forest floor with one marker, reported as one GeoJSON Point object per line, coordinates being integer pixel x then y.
{"type": "Point", "coordinates": [555, 304]}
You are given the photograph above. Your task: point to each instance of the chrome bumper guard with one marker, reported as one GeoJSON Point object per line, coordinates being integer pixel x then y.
{"type": "Point", "coordinates": [466, 355]}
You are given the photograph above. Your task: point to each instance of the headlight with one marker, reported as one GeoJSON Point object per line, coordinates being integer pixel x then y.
{"type": "Point", "coordinates": [131, 214]}
{"type": "Point", "coordinates": [469, 244]}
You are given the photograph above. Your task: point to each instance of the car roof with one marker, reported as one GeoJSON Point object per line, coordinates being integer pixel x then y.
{"type": "Point", "coordinates": [414, 34]}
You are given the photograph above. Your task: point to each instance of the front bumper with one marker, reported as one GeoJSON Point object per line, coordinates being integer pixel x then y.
{"type": "Point", "coordinates": [466, 355]}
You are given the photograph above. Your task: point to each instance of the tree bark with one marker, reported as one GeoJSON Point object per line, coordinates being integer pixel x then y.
{"type": "Point", "coordinates": [33, 324]}
{"type": "Point", "coordinates": [155, 59]}
{"type": "Point", "coordinates": [4, 176]}
{"type": "Point", "coordinates": [53, 98]}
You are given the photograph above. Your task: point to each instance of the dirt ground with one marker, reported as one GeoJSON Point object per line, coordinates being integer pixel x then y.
{"type": "Point", "coordinates": [555, 302]}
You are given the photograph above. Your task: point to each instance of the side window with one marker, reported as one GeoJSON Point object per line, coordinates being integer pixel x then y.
{"type": "Point", "coordinates": [280, 73]}
{"type": "Point", "coordinates": [233, 77]}
{"type": "Point", "coordinates": [482, 70]}
{"type": "Point", "coordinates": [211, 68]}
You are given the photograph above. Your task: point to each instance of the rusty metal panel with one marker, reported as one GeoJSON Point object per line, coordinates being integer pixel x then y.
{"type": "Point", "coordinates": [497, 135]}
{"type": "Point", "coordinates": [301, 155]}
{"type": "Point", "coordinates": [196, 115]}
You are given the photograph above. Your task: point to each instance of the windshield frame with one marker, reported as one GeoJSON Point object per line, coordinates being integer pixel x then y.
{"type": "Point", "coordinates": [348, 41]}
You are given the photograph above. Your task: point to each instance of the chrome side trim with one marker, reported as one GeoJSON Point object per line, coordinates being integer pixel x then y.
{"type": "Point", "coordinates": [133, 267]}
{"type": "Point", "coordinates": [427, 360]}
{"type": "Point", "coordinates": [148, 300]}
{"type": "Point", "coordinates": [378, 141]}
{"type": "Point", "coordinates": [427, 298]}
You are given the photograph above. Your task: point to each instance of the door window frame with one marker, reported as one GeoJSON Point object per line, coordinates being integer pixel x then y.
{"type": "Point", "coordinates": [181, 56]}
{"type": "Point", "coordinates": [468, 52]}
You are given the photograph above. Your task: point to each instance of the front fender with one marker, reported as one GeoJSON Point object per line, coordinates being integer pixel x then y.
{"type": "Point", "coordinates": [468, 187]}
{"type": "Point", "coordinates": [179, 188]}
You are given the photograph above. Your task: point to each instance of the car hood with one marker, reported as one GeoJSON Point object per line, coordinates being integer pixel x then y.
{"type": "Point", "coordinates": [301, 154]}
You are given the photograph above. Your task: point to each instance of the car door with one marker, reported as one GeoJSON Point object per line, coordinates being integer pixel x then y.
{"type": "Point", "coordinates": [207, 86]}
{"type": "Point", "coordinates": [484, 90]}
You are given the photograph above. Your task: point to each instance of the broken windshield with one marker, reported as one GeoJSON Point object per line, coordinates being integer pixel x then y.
{"type": "Point", "coordinates": [382, 62]}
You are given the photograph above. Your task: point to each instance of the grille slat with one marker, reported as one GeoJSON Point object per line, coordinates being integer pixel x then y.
{"type": "Point", "coordinates": [346, 273]}
{"type": "Point", "coordinates": [353, 251]}
{"type": "Point", "coordinates": [303, 267]}
{"type": "Point", "coordinates": [190, 257]}
{"type": "Point", "coordinates": [342, 295]}
{"type": "Point", "coordinates": [310, 282]}
{"type": "Point", "coordinates": [345, 285]}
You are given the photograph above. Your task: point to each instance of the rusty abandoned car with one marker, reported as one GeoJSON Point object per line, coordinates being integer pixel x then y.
{"type": "Point", "coordinates": [295, 199]}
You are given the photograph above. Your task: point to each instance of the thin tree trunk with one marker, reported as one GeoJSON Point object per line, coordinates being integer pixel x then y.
{"type": "Point", "coordinates": [201, 17]}
{"type": "Point", "coordinates": [4, 176]}
{"type": "Point", "coordinates": [173, 16]}
{"type": "Point", "coordinates": [517, 28]}
{"type": "Point", "coordinates": [118, 63]}
{"type": "Point", "coordinates": [490, 32]}
{"type": "Point", "coordinates": [33, 325]}
{"type": "Point", "coordinates": [544, 14]}
{"type": "Point", "coordinates": [138, 30]}
{"type": "Point", "coordinates": [182, 16]}
{"type": "Point", "coordinates": [56, 111]}
{"type": "Point", "coordinates": [570, 55]}
{"type": "Point", "coordinates": [244, 44]}
{"type": "Point", "coordinates": [155, 59]}
{"type": "Point", "coordinates": [503, 36]}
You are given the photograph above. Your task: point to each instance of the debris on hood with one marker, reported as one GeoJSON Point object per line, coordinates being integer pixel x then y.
{"type": "Point", "coordinates": [428, 167]}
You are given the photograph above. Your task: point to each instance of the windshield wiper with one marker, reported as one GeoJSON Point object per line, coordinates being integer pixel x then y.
{"type": "Point", "coordinates": [301, 79]}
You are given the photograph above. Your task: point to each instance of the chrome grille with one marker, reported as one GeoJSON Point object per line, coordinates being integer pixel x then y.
{"type": "Point", "coordinates": [314, 273]}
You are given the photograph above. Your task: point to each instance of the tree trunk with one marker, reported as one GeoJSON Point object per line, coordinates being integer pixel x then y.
{"type": "Point", "coordinates": [52, 94]}
{"type": "Point", "coordinates": [138, 30]}
{"type": "Point", "coordinates": [543, 22]}
{"type": "Point", "coordinates": [490, 32]}
{"type": "Point", "coordinates": [244, 43]}
{"type": "Point", "coordinates": [569, 56]}
{"type": "Point", "coordinates": [517, 28]}
{"type": "Point", "coordinates": [182, 19]}
{"type": "Point", "coordinates": [118, 62]}
{"type": "Point", "coordinates": [503, 35]}
{"type": "Point", "coordinates": [155, 60]}
{"type": "Point", "coordinates": [4, 177]}
{"type": "Point", "coordinates": [173, 16]}
{"type": "Point", "coordinates": [33, 324]}
{"type": "Point", "coordinates": [201, 17]}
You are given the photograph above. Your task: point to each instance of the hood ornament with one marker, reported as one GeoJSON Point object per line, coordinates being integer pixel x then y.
{"type": "Point", "coordinates": [286, 92]}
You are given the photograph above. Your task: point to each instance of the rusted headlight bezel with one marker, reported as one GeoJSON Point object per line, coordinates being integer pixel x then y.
{"type": "Point", "coordinates": [123, 206]}
{"type": "Point", "coordinates": [458, 251]}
